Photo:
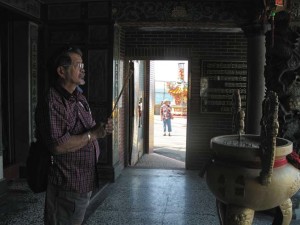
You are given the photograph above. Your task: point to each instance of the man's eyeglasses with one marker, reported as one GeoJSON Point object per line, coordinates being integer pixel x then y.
{"type": "Point", "coordinates": [76, 65]}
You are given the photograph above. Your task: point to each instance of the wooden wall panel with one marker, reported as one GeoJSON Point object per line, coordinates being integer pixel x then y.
{"type": "Point", "coordinates": [97, 76]}
{"type": "Point", "coordinates": [99, 10]}
{"type": "Point", "coordinates": [98, 34]}
{"type": "Point", "coordinates": [64, 11]}
{"type": "Point", "coordinates": [88, 26]}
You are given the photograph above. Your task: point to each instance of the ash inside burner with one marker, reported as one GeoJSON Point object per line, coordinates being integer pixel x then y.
{"type": "Point", "coordinates": [245, 143]}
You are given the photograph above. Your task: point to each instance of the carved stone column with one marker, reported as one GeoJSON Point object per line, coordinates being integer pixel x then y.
{"type": "Point", "coordinates": [256, 50]}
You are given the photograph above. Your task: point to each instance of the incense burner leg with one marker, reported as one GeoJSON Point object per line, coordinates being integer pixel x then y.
{"type": "Point", "coordinates": [284, 213]}
{"type": "Point", "coordinates": [221, 210]}
{"type": "Point", "coordinates": [237, 215]}
{"type": "Point", "coordinates": [287, 212]}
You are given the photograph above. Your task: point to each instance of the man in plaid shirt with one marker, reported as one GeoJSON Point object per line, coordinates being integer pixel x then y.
{"type": "Point", "coordinates": [65, 125]}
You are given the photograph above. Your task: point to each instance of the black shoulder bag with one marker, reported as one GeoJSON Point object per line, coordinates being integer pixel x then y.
{"type": "Point", "coordinates": [37, 166]}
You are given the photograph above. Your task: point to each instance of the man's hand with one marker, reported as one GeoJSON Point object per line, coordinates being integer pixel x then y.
{"type": "Point", "coordinates": [102, 129]}
{"type": "Point", "coordinates": [75, 142]}
{"type": "Point", "coordinates": [109, 127]}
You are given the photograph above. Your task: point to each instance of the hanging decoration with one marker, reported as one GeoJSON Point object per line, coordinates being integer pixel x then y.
{"type": "Point", "coordinates": [178, 89]}
{"type": "Point", "coordinates": [181, 72]}
{"type": "Point", "coordinates": [279, 2]}
{"type": "Point", "coordinates": [271, 8]}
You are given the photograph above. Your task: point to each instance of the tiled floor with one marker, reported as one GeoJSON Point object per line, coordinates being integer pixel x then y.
{"type": "Point", "coordinates": [20, 206]}
{"type": "Point", "coordinates": [159, 197]}
{"type": "Point", "coordinates": [138, 197]}
{"type": "Point", "coordinates": [173, 146]}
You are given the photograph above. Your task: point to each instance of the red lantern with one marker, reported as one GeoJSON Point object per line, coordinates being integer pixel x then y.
{"type": "Point", "coordinates": [279, 2]}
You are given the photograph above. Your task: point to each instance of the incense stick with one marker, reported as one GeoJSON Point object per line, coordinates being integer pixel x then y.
{"type": "Point", "coordinates": [122, 90]}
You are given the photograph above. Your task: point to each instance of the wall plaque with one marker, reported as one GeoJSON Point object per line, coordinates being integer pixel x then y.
{"type": "Point", "coordinates": [218, 82]}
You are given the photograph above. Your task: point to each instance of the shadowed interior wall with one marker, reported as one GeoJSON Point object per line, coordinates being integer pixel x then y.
{"type": "Point", "coordinates": [195, 46]}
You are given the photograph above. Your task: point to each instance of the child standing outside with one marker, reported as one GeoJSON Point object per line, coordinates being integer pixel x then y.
{"type": "Point", "coordinates": [166, 116]}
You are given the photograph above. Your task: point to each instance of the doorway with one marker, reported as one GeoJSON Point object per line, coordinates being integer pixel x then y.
{"type": "Point", "coordinates": [170, 82]}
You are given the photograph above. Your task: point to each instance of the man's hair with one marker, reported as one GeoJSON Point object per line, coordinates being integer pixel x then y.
{"type": "Point", "coordinates": [63, 57]}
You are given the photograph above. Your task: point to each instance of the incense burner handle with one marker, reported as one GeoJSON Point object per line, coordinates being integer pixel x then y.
{"type": "Point", "coordinates": [269, 130]}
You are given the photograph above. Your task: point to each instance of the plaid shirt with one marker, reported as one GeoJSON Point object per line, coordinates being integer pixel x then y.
{"type": "Point", "coordinates": [58, 116]}
{"type": "Point", "coordinates": [165, 112]}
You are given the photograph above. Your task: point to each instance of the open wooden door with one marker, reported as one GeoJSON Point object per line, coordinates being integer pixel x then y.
{"type": "Point", "coordinates": [136, 112]}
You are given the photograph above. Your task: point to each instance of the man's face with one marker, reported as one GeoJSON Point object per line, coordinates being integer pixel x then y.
{"type": "Point", "coordinates": [75, 72]}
